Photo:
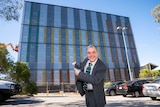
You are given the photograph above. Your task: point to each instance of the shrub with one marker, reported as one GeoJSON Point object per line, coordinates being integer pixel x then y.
{"type": "Point", "coordinates": [30, 88]}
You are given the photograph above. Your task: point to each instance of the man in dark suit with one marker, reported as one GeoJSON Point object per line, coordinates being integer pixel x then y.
{"type": "Point", "coordinates": [94, 80]}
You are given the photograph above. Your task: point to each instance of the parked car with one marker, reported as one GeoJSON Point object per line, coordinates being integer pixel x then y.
{"type": "Point", "coordinates": [131, 88]}
{"type": "Point", "coordinates": [111, 89]}
{"type": "Point", "coordinates": [8, 89]}
{"type": "Point", "coordinates": [152, 89]}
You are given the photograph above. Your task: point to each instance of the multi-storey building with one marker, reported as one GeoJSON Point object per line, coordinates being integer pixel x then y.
{"type": "Point", "coordinates": [53, 37]}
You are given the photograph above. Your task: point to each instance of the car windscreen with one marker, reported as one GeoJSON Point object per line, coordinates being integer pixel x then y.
{"type": "Point", "coordinates": [112, 84]}
{"type": "Point", "coordinates": [156, 81]}
{"type": "Point", "coordinates": [129, 82]}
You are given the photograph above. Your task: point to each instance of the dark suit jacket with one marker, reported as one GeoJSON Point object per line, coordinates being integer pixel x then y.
{"type": "Point", "coordinates": [96, 79]}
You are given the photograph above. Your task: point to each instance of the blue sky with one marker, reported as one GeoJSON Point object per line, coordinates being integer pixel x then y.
{"type": "Point", "coordinates": [146, 32]}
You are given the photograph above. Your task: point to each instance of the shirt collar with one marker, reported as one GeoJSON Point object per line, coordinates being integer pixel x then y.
{"type": "Point", "coordinates": [93, 63]}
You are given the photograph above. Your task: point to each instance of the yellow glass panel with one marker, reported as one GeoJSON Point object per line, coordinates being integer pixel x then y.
{"type": "Point", "coordinates": [52, 34]}
{"type": "Point", "coordinates": [67, 56]}
{"type": "Point", "coordinates": [73, 35]}
{"type": "Point", "coordinates": [44, 77]}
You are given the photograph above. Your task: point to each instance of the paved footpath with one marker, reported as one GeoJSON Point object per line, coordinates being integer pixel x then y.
{"type": "Point", "coordinates": [75, 100]}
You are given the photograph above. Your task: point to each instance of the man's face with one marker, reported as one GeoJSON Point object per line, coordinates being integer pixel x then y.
{"type": "Point", "coordinates": [92, 54]}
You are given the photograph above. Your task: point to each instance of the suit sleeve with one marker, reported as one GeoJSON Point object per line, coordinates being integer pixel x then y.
{"type": "Point", "coordinates": [79, 85]}
{"type": "Point", "coordinates": [97, 77]}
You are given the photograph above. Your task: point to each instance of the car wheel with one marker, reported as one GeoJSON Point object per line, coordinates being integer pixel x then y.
{"type": "Point", "coordinates": [153, 98]}
{"type": "Point", "coordinates": [12, 87]}
{"type": "Point", "coordinates": [112, 93]}
{"type": "Point", "coordinates": [124, 95]}
{"type": "Point", "coordinates": [136, 94]}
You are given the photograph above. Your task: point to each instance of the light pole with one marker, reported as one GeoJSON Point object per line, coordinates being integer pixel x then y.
{"type": "Point", "coordinates": [125, 46]}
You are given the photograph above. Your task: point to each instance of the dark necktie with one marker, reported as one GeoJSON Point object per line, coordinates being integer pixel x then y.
{"type": "Point", "coordinates": [88, 70]}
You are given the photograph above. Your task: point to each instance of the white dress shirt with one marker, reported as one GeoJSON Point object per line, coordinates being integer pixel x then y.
{"type": "Point", "coordinates": [89, 85]}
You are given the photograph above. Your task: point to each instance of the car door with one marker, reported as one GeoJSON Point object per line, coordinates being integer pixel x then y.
{"type": "Point", "coordinates": [139, 84]}
{"type": "Point", "coordinates": [135, 86]}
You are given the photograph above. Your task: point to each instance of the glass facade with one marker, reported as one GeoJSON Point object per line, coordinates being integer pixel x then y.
{"type": "Point", "coordinates": [53, 37]}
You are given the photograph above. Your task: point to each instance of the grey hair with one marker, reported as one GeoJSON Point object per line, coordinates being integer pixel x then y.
{"type": "Point", "coordinates": [92, 46]}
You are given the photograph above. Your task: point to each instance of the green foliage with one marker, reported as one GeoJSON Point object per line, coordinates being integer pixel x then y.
{"type": "Point", "coordinates": [145, 73]}
{"type": "Point", "coordinates": [106, 84]}
{"type": "Point", "coordinates": [9, 9]}
{"type": "Point", "coordinates": [30, 88]}
{"type": "Point", "coordinates": [3, 59]}
{"type": "Point", "coordinates": [156, 13]}
{"type": "Point", "coordinates": [148, 73]}
{"type": "Point", "coordinates": [6, 60]}
{"type": "Point", "coordinates": [20, 73]}
{"type": "Point", "coordinates": [156, 73]}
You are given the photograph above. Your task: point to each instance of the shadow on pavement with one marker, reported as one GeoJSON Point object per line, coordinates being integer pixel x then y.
{"type": "Point", "coordinates": [130, 104]}
{"type": "Point", "coordinates": [20, 100]}
{"type": "Point", "coordinates": [61, 104]}
{"type": "Point", "coordinates": [51, 96]}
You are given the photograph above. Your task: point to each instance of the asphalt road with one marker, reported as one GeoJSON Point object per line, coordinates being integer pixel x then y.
{"type": "Point", "coordinates": [75, 100]}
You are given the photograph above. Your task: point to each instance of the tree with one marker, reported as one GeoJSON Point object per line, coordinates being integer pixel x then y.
{"type": "Point", "coordinates": [145, 73]}
{"type": "Point", "coordinates": [148, 73]}
{"type": "Point", "coordinates": [156, 13]}
{"type": "Point", "coordinates": [30, 88]}
{"type": "Point", "coordinates": [20, 72]}
{"type": "Point", "coordinates": [9, 9]}
{"type": "Point", "coordinates": [155, 73]}
{"type": "Point", "coordinates": [6, 61]}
